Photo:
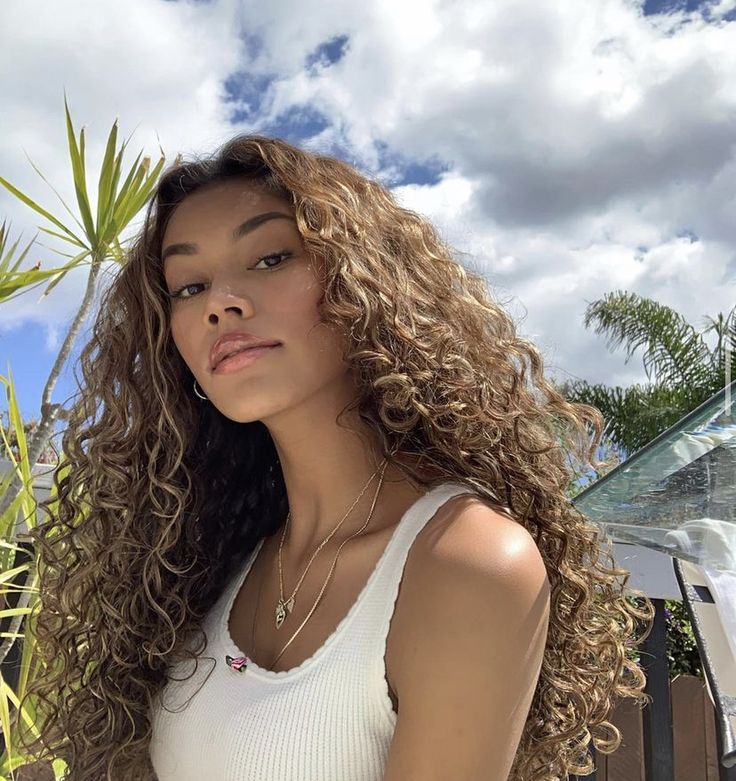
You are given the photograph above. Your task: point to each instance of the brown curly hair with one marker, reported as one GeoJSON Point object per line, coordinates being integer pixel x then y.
{"type": "Point", "coordinates": [141, 539]}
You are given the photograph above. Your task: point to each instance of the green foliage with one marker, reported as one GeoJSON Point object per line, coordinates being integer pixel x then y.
{"type": "Point", "coordinates": [683, 370]}
{"type": "Point", "coordinates": [95, 238]}
{"type": "Point", "coordinates": [682, 651]}
{"type": "Point", "coordinates": [15, 578]}
{"type": "Point", "coordinates": [13, 279]}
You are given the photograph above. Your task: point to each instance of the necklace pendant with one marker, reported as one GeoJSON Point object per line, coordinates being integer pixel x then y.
{"type": "Point", "coordinates": [290, 604]}
{"type": "Point", "coordinates": [280, 614]}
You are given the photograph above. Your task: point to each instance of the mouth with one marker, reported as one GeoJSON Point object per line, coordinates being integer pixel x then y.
{"type": "Point", "coordinates": [243, 358]}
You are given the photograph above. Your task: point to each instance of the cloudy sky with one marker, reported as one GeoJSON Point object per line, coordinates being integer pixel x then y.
{"type": "Point", "coordinates": [566, 148]}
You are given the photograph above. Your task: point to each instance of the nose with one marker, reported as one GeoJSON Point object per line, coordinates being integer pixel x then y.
{"type": "Point", "coordinates": [217, 313]}
{"type": "Point", "coordinates": [224, 298]}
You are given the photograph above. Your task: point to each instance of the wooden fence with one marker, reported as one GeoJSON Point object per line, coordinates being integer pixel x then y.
{"type": "Point", "coordinates": [672, 738]}
{"type": "Point", "coordinates": [694, 741]}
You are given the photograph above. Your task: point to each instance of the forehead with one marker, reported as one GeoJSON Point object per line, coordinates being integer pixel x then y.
{"type": "Point", "coordinates": [214, 210]}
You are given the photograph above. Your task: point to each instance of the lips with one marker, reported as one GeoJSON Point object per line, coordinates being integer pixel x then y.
{"type": "Point", "coordinates": [230, 353]}
{"type": "Point", "coordinates": [236, 342]}
{"type": "Point", "coordinates": [242, 359]}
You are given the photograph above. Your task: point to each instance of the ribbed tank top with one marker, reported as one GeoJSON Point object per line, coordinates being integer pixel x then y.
{"type": "Point", "coordinates": [328, 719]}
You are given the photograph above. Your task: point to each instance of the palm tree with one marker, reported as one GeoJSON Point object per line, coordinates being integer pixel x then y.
{"type": "Point", "coordinates": [683, 371]}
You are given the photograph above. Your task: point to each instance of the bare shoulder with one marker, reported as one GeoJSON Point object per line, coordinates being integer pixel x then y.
{"type": "Point", "coordinates": [469, 535]}
{"type": "Point", "coordinates": [471, 553]}
{"type": "Point", "coordinates": [477, 619]}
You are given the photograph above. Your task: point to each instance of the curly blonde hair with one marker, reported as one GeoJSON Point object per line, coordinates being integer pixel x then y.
{"type": "Point", "coordinates": [142, 537]}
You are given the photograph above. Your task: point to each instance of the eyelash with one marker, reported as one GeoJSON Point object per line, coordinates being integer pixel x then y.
{"type": "Point", "coordinates": [177, 293]}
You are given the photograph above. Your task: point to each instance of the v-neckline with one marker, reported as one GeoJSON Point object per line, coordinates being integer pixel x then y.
{"type": "Point", "coordinates": [278, 675]}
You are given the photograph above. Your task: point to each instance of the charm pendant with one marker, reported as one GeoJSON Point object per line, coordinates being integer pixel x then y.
{"type": "Point", "coordinates": [237, 663]}
{"type": "Point", "coordinates": [281, 613]}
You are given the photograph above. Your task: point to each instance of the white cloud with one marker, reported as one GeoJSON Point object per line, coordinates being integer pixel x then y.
{"type": "Point", "coordinates": [157, 66]}
{"type": "Point", "coordinates": [581, 139]}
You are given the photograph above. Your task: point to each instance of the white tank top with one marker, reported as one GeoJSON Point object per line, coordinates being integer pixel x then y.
{"type": "Point", "coordinates": [329, 719]}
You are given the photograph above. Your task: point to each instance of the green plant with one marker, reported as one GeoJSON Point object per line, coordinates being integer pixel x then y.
{"type": "Point", "coordinates": [97, 240]}
{"type": "Point", "coordinates": [14, 280]}
{"type": "Point", "coordinates": [10, 574]}
{"type": "Point", "coordinates": [683, 371]}
{"type": "Point", "coordinates": [94, 240]}
{"type": "Point", "coordinates": [682, 650]}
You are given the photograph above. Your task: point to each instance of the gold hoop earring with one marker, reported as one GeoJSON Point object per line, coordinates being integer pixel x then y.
{"type": "Point", "coordinates": [197, 392]}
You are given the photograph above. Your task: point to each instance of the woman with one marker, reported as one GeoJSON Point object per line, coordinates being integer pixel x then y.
{"type": "Point", "coordinates": [206, 617]}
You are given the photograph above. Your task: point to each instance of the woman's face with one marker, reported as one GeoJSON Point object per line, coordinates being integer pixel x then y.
{"type": "Point", "coordinates": [263, 282]}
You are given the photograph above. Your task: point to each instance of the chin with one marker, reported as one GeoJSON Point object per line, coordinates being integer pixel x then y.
{"type": "Point", "coordinates": [250, 414]}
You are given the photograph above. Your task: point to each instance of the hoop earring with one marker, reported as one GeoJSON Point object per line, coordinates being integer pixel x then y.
{"type": "Point", "coordinates": [197, 392]}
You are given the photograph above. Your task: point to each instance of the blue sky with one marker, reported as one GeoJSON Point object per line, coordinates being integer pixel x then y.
{"type": "Point", "coordinates": [565, 149]}
{"type": "Point", "coordinates": [669, 6]}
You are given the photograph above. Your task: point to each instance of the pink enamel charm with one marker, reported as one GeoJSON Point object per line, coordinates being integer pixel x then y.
{"type": "Point", "coordinates": [238, 663]}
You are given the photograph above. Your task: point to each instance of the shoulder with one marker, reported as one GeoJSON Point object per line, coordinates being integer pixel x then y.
{"type": "Point", "coordinates": [474, 559]}
{"type": "Point", "coordinates": [470, 538]}
{"type": "Point", "coordinates": [478, 609]}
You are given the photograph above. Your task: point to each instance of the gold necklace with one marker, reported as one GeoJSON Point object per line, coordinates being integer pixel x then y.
{"type": "Point", "coordinates": [324, 585]}
{"type": "Point", "coordinates": [285, 607]}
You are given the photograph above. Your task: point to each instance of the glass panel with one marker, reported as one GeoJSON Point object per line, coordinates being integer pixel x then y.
{"type": "Point", "coordinates": [677, 494]}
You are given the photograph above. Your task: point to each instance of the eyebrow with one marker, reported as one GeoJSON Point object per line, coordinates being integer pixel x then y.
{"type": "Point", "coordinates": [188, 248]}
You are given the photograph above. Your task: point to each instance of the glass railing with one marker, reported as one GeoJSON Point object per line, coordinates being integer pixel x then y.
{"type": "Point", "coordinates": [677, 494]}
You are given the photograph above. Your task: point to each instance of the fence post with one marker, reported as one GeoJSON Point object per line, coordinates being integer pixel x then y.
{"type": "Point", "coordinates": [657, 715]}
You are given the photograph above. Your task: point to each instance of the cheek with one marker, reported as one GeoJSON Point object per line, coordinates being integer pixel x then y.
{"type": "Point", "coordinates": [326, 345]}
{"type": "Point", "coordinates": [179, 336]}
{"type": "Point", "coordinates": [295, 304]}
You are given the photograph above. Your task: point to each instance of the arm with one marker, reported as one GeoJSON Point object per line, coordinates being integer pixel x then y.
{"type": "Point", "coordinates": [469, 666]}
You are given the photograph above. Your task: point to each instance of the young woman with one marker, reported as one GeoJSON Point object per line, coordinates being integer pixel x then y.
{"type": "Point", "coordinates": [319, 530]}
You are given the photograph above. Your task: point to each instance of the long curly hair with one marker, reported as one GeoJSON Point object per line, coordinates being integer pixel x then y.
{"type": "Point", "coordinates": [159, 499]}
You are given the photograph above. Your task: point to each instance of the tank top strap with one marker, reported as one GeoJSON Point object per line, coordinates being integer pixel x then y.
{"type": "Point", "coordinates": [381, 599]}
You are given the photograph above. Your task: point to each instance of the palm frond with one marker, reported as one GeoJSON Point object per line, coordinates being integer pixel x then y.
{"type": "Point", "coordinates": [674, 352]}
{"type": "Point", "coordinates": [635, 415]}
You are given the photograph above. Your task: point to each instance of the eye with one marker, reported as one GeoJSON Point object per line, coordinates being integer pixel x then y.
{"type": "Point", "coordinates": [280, 256]}
{"type": "Point", "coordinates": [178, 292]}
